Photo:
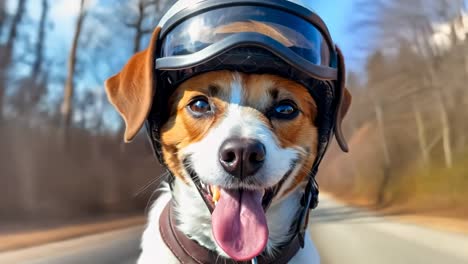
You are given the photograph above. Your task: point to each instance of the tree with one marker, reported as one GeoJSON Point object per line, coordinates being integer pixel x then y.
{"type": "Point", "coordinates": [30, 89]}
{"type": "Point", "coordinates": [145, 17]}
{"type": "Point", "coordinates": [67, 104]}
{"type": "Point", "coordinates": [137, 25]}
{"type": "Point", "coordinates": [6, 52]}
{"type": "Point", "coordinates": [416, 83]}
{"type": "Point", "coordinates": [39, 48]}
{"type": "Point", "coordinates": [418, 41]}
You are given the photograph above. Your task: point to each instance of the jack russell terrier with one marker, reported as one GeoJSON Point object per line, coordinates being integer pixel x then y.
{"type": "Point", "coordinates": [240, 100]}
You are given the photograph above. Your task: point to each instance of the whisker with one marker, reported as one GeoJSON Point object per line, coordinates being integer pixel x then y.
{"type": "Point", "coordinates": [150, 200]}
{"type": "Point", "coordinates": [164, 188]}
{"type": "Point", "coordinates": [151, 183]}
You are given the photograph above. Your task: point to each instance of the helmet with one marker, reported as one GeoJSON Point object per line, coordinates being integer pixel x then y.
{"type": "Point", "coordinates": [283, 37]}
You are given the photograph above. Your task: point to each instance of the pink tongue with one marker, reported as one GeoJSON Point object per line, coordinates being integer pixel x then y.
{"type": "Point", "coordinates": [239, 224]}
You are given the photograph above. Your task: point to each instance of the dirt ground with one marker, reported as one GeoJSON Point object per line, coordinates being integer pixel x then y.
{"type": "Point", "coordinates": [14, 238]}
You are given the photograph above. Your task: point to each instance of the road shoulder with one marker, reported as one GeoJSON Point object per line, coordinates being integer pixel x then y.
{"type": "Point", "coordinates": [438, 220]}
{"type": "Point", "coordinates": [28, 239]}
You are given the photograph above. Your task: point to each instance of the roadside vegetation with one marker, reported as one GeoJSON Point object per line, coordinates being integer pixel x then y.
{"type": "Point", "coordinates": [62, 159]}
{"type": "Point", "coordinates": [409, 119]}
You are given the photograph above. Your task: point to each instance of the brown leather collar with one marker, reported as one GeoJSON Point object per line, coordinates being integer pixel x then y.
{"type": "Point", "coordinates": [188, 251]}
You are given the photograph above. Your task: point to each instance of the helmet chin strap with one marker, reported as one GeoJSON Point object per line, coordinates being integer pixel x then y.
{"type": "Point", "coordinates": [309, 200]}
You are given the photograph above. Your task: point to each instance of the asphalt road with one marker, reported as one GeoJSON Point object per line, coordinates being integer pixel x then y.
{"type": "Point", "coordinates": [342, 235]}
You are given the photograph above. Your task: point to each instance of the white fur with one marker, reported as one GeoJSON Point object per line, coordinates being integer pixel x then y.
{"type": "Point", "coordinates": [153, 247]}
{"type": "Point", "coordinates": [192, 213]}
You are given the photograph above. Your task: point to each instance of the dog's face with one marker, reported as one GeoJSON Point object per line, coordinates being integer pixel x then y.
{"type": "Point", "coordinates": [235, 131]}
{"type": "Point", "coordinates": [239, 136]}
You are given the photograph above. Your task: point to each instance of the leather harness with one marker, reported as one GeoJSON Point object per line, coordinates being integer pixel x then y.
{"type": "Point", "coordinates": [188, 251]}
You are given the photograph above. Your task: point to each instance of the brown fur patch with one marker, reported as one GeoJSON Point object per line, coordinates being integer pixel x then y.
{"type": "Point", "coordinates": [183, 129]}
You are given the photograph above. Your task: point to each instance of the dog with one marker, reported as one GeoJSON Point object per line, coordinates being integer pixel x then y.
{"type": "Point", "coordinates": [238, 135]}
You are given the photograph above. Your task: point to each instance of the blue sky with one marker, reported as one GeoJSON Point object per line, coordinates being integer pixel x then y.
{"type": "Point", "coordinates": [339, 15]}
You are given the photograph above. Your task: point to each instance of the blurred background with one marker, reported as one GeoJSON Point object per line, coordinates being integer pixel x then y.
{"type": "Point", "coordinates": [408, 73]}
{"type": "Point", "coordinates": [63, 163]}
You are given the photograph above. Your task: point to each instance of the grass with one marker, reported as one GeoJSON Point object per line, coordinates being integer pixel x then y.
{"type": "Point", "coordinates": [434, 186]}
{"type": "Point", "coordinates": [415, 189]}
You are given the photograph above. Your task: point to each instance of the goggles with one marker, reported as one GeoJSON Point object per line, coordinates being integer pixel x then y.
{"type": "Point", "coordinates": [210, 30]}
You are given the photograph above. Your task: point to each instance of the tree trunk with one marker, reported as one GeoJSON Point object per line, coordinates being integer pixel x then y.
{"type": "Point", "coordinates": [39, 49]}
{"type": "Point", "coordinates": [6, 53]}
{"type": "Point", "coordinates": [381, 124]}
{"type": "Point", "coordinates": [445, 126]}
{"type": "Point", "coordinates": [67, 104]}
{"type": "Point", "coordinates": [138, 27]}
{"type": "Point", "coordinates": [423, 146]}
{"type": "Point", "coordinates": [386, 152]}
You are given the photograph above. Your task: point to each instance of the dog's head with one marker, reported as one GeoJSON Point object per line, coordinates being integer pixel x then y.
{"type": "Point", "coordinates": [238, 135]}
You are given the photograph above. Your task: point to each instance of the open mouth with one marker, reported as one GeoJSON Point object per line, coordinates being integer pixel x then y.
{"type": "Point", "coordinates": [239, 223]}
{"type": "Point", "coordinates": [212, 194]}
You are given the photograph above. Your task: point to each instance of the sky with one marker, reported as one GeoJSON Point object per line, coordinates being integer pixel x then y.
{"type": "Point", "coordinates": [337, 14]}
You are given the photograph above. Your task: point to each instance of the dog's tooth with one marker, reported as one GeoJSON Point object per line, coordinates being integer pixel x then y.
{"type": "Point", "coordinates": [216, 193]}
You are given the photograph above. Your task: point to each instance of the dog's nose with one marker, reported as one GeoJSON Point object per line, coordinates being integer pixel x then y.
{"type": "Point", "coordinates": [242, 157]}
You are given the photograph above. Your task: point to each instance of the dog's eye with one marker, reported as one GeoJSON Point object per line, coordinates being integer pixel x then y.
{"type": "Point", "coordinates": [200, 106]}
{"type": "Point", "coordinates": [285, 110]}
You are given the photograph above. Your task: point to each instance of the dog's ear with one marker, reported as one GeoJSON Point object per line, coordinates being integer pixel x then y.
{"type": "Point", "coordinates": [344, 103]}
{"type": "Point", "coordinates": [131, 91]}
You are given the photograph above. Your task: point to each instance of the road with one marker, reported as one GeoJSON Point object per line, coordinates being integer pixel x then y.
{"type": "Point", "coordinates": [342, 235]}
{"type": "Point", "coordinates": [347, 235]}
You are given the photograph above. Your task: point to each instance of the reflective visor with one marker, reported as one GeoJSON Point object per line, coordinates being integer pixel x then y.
{"type": "Point", "coordinates": [205, 35]}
